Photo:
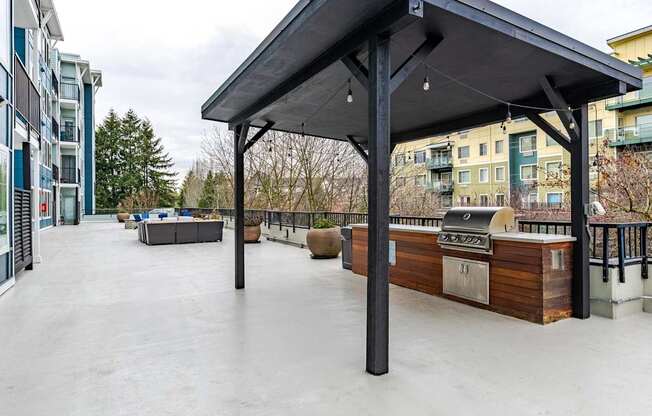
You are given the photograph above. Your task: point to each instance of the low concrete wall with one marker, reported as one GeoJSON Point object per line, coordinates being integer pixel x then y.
{"type": "Point", "coordinates": [616, 300]}
{"type": "Point", "coordinates": [284, 235]}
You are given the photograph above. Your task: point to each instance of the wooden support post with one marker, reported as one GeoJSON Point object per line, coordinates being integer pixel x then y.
{"type": "Point", "coordinates": [378, 238]}
{"type": "Point", "coordinates": [579, 213]}
{"type": "Point", "coordinates": [240, 137]}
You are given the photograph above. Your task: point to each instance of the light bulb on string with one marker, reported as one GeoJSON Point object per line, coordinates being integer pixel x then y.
{"type": "Point", "coordinates": [508, 119]}
{"type": "Point", "coordinates": [426, 81]}
{"type": "Point", "coordinates": [349, 95]}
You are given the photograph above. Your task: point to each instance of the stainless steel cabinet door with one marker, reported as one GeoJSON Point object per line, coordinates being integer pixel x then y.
{"type": "Point", "coordinates": [466, 279]}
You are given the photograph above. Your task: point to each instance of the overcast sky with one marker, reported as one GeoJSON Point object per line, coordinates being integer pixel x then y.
{"type": "Point", "coordinates": [164, 58]}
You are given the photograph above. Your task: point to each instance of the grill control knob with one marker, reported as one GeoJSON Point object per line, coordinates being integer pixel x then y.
{"type": "Point", "coordinates": [443, 237]}
{"type": "Point", "coordinates": [453, 238]}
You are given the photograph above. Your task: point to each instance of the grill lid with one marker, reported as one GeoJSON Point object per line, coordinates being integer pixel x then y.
{"type": "Point", "coordinates": [481, 220]}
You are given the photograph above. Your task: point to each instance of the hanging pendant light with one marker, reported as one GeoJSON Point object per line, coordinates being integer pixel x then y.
{"type": "Point", "coordinates": [349, 95]}
{"type": "Point", "coordinates": [508, 119]}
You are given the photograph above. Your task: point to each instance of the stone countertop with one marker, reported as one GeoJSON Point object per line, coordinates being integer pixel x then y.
{"type": "Point", "coordinates": [509, 236]}
{"type": "Point", "coordinates": [533, 238]}
{"type": "Point", "coordinates": [406, 228]}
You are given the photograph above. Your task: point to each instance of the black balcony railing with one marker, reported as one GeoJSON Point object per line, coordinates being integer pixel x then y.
{"type": "Point", "coordinates": [612, 244]}
{"type": "Point", "coordinates": [70, 91]}
{"type": "Point", "coordinates": [622, 243]}
{"type": "Point", "coordinates": [68, 133]}
{"type": "Point", "coordinates": [55, 83]}
{"type": "Point", "coordinates": [28, 100]}
{"type": "Point", "coordinates": [55, 129]}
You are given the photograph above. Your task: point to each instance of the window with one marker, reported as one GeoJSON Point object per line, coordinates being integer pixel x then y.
{"type": "Point", "coordinates": [499, 146]}
{"type": "Point", "coordinates": [446, 201]}
{"type": "Point", "coordinates": [464, 177]}
{"type": "Point", "coordinates": [463, 152]}
{"type": "Point", "coordinates": [595, 128]}
{"type": "Point", "coordinates": [420, 180]}
{"type": "Point", "coordinates": [45, 198]}
{"type": "Point", "coordinates": [420, 157]}
{"type": "Point", "coordinates": [528, 143]}
{"type": "Point", "coordinates": [550, 141]}
{"type": "Point", "coordinates": [553, 168]}
{"type": "Point", "coordinates": [528, 172]}
{"type": "Point", "coordinates": [399, 160]}
{"type": "Point", "coordinates": [531, 199]}
{"type": "Point", "coordinates": [483, 174]}
{"type": "Point", "coordinates": [483, 149]}
{"type": "Point", "coordinates": [484, 200]}
{"type": "Point", "coordinates": [5, 33]}
{"type": "Point", "coordinates": [554, 198]}
{"type": "Point", "coordinates": [4, 200]}
{"type": "Point", "coordinates": [499, 175]}
{"type": "Point", "coordinates": [500, 200]}
{"type": "Point", "coordinates": [465, 200]}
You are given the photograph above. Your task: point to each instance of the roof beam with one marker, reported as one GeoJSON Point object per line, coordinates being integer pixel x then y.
{"type": "Point", "coordinates": [393, 19]}
{"type": "Point", "coordinates": [259, 134]}
{"type": "Point", "coordinates": [356, 146]}
{"type": "Point", "coordinates": [357, 69]}
{"type": "Point", "coordinates": [563, 109]}
{"type": "Point", "coordinates": [550, 130]}
{"type": "Point", "coordinates": [414, 61]}
{"type": "Point", "coordinates": [242, 130]}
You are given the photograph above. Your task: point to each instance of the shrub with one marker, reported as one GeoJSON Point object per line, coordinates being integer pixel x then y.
{"type": "Point", "coordinates": [324, 223]}
{"type": "Point", "coordinates": [252, 220]}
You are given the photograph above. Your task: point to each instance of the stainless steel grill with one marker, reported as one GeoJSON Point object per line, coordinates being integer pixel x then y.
{"type": "Point", "coordinates": [470, 229]}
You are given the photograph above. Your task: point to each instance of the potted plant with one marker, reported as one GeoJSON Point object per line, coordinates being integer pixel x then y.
{"type": "Point", "coordinates": [252, 228]}
{"type": "Point", "coordinates": [324, 239]}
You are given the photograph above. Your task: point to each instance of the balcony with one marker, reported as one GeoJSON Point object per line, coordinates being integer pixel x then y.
{"type": "Point", "coordinates": [634, 99]}
{"type": "Point", "coordinates": [70, 91]}
{"type": "Point", "coordinates": [70, 176]}
{"type": "Point", "coordinates": [55, 129]}
{"type": "Point", "coordinates": [55, 83]}
{"type": "Point", "coordinates": [630, 135]}
{"type": "Point", "coordinates": [439, 163]}
{"type": "Point", "coordinates": [69, 134]}
{"type": "Point", "coordinates": [55, 172]}
{"type": "Point", "coordinates": [28, 100]}
{"type": "Point", "coordinates": [440, 187]}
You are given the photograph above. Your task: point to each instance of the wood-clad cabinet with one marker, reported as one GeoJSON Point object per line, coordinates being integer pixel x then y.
{"type": "Point", "coordinates": [530, 281]}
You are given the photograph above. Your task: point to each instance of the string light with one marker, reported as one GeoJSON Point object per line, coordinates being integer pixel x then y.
{"type": "Point", "coordinates": [508, 119]}
{"type": "Point", "coordinates": [349, 95]}
{"type": "Point", "coordinates": [426, 81]}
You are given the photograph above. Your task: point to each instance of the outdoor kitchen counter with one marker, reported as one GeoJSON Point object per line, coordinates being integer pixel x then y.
{"type": "Point", "coordinates": [529, 274]}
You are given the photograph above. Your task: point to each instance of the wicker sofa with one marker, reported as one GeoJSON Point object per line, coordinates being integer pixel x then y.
{"type": "Point", "coordinates": [180, 232]}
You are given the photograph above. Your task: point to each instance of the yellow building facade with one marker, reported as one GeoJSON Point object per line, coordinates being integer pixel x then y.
{"type": "Point", "coordinates": [516, 163]}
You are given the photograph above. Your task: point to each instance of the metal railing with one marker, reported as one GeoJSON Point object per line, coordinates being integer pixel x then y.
{"type": "Point", "coordinates": [55, 83]}
{"type": "Point", "coordinates": [70, 91]}
{"type": "Point", "coordinates": [441, 187]}
{"type": "Point", "coordinates": [68, 133]}
{"type": "Point", "coordinates": [439, 163]}
{"type": "Point", "coordinates": [55, 129]}
{"type": "Point", "coordinates": [633, 98]}
{"type": "Point", "coordinates": [623, 242]}
{"type": "Point", "coordinates": [641, 133]}
{"type": "Point", "coordinates": [28, 99]}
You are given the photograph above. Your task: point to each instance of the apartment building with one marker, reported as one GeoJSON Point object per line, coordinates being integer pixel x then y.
{"type": "Point", "coordinates": [518, 164]}
{"type": "Point", "coordinates": [52, 129]}
{"type": "Point", "coordinates": [75, 152]}
{"type": "Point", "coordinates": [633, 112]}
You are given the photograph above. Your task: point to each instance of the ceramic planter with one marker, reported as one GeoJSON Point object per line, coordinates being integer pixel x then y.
{"type": "Point", "coordinates": [123, 216]}
{"type": "Point", "coordinates": [324, 243]}
{"type": "Point", "coordinates": [251, 233]}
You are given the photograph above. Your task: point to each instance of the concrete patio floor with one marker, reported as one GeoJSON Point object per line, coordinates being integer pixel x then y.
{"type": "Point", "coordinates": [106, 326]}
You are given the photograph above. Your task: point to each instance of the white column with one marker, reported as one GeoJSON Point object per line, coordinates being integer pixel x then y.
{"type": "Point", "coordinates": [36, 208]}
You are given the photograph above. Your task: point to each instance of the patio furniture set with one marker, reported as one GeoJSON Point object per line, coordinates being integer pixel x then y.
{"type": "Point", "coordinates": [179, 231]}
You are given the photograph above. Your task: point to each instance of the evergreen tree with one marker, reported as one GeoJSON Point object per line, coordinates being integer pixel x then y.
{"type": "Point", "coordinates": [130, 159]}
{"type": "Point", "coordinates": [209, 192]}
{"type": "Point", "coordinates": [108, 163]}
